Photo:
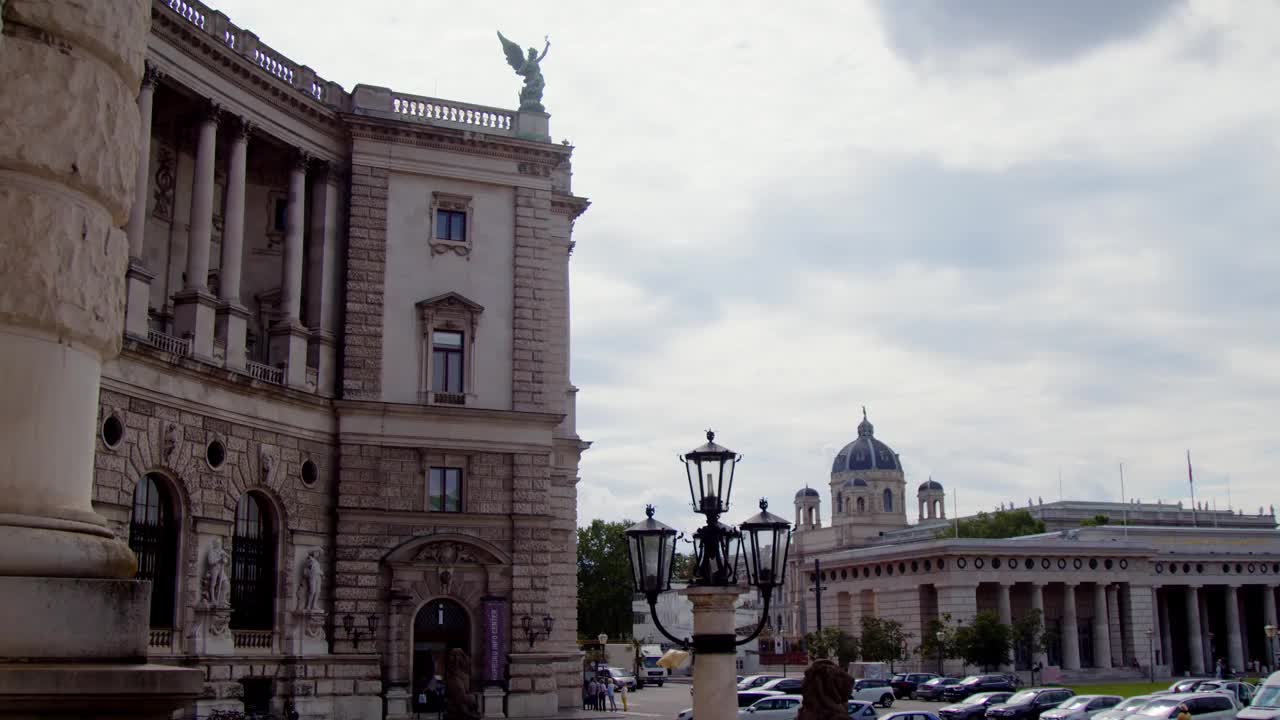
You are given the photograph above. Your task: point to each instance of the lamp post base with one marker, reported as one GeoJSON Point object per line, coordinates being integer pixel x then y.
{"type": "Point", "coordinates": [715, 693]}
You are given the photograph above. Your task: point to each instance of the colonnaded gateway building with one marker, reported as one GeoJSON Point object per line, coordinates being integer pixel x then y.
{"type": "Point", "coordinates": [340, 437]}
{"type": "Point", "coordinates": [1202, 583]}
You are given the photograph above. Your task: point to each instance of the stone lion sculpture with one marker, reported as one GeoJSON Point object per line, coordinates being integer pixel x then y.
{"type": "Point", "coordinates": [825, 692]}
{"type": "Point", "coordinates": [459, 703]}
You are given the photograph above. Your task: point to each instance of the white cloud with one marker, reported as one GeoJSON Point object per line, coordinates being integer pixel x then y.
{"type": "Point", "coordinates": [1019, 264]}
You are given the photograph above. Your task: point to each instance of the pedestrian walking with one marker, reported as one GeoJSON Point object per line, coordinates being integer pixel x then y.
{"type": "Point", "coordinates": [608, 690]}
{"type": "Point", "coordinates": [623, 691]}
{"type": "Point", "coordinates": [593, 688]}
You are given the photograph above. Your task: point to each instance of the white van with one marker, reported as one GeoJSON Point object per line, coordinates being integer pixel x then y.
{"type": "Point", "coordinates": [1266, 701]}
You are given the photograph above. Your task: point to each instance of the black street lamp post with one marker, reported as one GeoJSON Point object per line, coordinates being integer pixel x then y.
{"type": "Point", "coordinates": [760, 544]}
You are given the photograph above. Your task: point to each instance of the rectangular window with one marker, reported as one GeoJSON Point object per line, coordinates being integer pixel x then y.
{"type": "Point", "coordinates": [280, 216]}
{"type": "Point", "coordinates": [451, 225]}
{"type": "Point", "coordinates": [446, 362]}
{"type": "Point", "coordinates": [444, 489]}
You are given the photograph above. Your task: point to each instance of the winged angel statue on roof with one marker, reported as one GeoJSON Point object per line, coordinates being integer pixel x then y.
{"type": "Point", "coordinates": [528, 68]}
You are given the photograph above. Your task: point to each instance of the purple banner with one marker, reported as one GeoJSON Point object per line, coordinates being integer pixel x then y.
{"type": "Point", "coordinates": [494, 612]}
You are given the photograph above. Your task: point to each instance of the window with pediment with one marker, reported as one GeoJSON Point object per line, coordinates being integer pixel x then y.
{"type": "Point", "coordinates": [447, 329]}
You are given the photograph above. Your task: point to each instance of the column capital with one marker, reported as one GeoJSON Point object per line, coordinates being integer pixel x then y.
{"type": "Point", "coordinates": [151, 75]}
{"type": "Point", "coordinates": [1070, 583]}
{"type": "Point", "coordinates": [301, 159]}
{"type": "Point", "coordinates": [211, 112]}
{"type": "Point", "coordinates": [244, 128]}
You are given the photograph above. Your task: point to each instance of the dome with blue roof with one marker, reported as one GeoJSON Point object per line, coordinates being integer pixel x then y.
{"type": "Point", "coordinates": [866, 453]}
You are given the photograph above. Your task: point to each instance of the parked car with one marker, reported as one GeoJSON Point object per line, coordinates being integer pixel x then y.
{"type": "Point", "coordinates": [1125, 708]}
{"type": "Point", "coordinates": [1202, 706]}
{"type": "Point", "coordinates": [1185, 685]}
{"type": "Point", "coordinates": [975, 684]}
{"type": "Point", "coordinates": [1266, 701]}
{"type": "Point", "coordinates": [752, 681]}
{"type": "Point", "coordinates": [861, 710]}
{"type": "Point", "coordinates": [782, 685]}
{"type": "Point", "coordinates": [973, 707]}
{"type": "Point", "coordinates": [932, 689]}
{"type": "Point", "coordinates": [1028, 704]}
{"type": "Point", "coordinates": [904, 684]}
{"type": "Point", "coordinates": [745, 699]}
{"type": "Point", "coordinates": [875, 691]}
{"type": "Point", "coordinates": [777, 707]}
{"type": "Point", "coordinates": [911, 715]}
{"type": "Point", "coordinates": [619, 676]}
{"type": "Point", "coordinates": [1243, 691]}
{"type": "Point", "coordinates": [1081, 707]}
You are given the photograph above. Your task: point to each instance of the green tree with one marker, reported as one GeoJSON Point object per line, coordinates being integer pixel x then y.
{"type": "Point", "coordinates": [985, 642]}
{"type": "Point", "coordinates": [682, 568]}
{"type": "Point", "coordinates": [883, 640]}
{"type": "Point", "coordinates": [832, 642]}
{"type": "Point", "coordinates": [1027, 631]}
{"type": "Point", "coordinates": [1005, 524]}
{"type": "Point", "coordinates": [1096, 521]}
{"type": "Point", "coordinates": [605, 587]}
{"type": "Point", "coordinates": [931, 647]}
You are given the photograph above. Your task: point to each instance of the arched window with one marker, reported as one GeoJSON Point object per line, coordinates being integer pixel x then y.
{"type": "Point", "coordinates": [839, 502]}
{"type": "Point", "coordinates": [253, 567]}
{"type": "Point", "coordinates": [888, 500]}
{"type": "Point", "coordinates": [153, 538]}
{"type": "Point", "coordinates": [862, 505]}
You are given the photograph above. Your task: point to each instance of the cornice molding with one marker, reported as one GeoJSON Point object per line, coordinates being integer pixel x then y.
{"type": "Point", "coordinates": [523, 152]}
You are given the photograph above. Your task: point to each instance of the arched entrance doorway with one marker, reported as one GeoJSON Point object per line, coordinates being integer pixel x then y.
{"type": "Point", "coordinates": [440, 626]}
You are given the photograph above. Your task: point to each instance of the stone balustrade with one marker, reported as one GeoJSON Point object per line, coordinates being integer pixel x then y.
{"type": "Point", "coordinates": [252, 639]}
{"type": "Point", "coordinates": [169, 343]}
{"type": "Point", "coordinates": [265, 373]}
{"type": "Point", "coordinates": [386, 103]}
{"type": "Point", "coordinates": [247, 44]}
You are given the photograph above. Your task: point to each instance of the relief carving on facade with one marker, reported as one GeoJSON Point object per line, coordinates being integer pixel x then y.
{"type": "Point", "coordinates": [266, 464]}
{"type": "Point", "coordinates": [165, 181]}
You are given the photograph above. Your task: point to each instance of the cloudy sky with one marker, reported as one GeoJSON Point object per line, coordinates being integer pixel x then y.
{"type": "Point", "coordinates": [1031, 238]}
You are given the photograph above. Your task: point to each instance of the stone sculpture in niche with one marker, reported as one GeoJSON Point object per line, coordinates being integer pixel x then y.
{"type": "Point", "coordinates": [217, 591]}
{"type": "Point", "coordinates": [312, 581]}
{"type": "Point", "coordinates": [172, 440]}
{"type": "Point", "coordinates": [530, 69]}
{"type": "Point", "coordinates": [265, 463]}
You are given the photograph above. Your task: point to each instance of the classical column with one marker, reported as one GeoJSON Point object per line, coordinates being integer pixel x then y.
{"type": "Point", "coordinates": [1235, 646]}
{"type": "Point", "coordinates": [289, 336]}
{"type": "Point", "coordinates": [1166, 638]}
{"type": "Point", "coordinates": [138, 276]}
{"type": "Point", "coordinates": [194, 306]}
{"type": "Point", "coordinates": [1269, 605]}
{"type": "Point", "coordinates": [1101, 627]}
{"type": "Point", "coordinates": [1157, 626]}
{"type": "Point", "coordinates": [1070, 629]}
{"type": "Point", "coordinates": [232, 316]}
{"type": "Point", "coordinates": [1037, 604]}
{"type": "Point", "coordinates": [74, 623]}
{"type": "Point", "coordinates": [323, 274]}
{"type": "Point", "coordinates": [1005, 609]}
{"type": "Point", "coordinates": [1195, 641]}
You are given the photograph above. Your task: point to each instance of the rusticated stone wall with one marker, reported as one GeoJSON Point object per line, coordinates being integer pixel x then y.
{"type": "Point", "coordinates": [393, 478]}
{"type": "Point", "coordinates": [535, 278]}
{"type": "Point", "coordinates": [366, 278]}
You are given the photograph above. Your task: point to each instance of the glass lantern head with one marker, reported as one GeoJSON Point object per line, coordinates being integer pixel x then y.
{"type": "Point", "coordinates": [652, 547]}
{"type": "Point", "coordinates": [709, 468]}
{"type": "Point", "coordinates": [766, 539]}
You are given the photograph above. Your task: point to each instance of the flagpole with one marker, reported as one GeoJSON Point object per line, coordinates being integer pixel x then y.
{"type": "Point", "coordinates": [1059, 483]}
{"type": "Point", "coordinates": [1229, 493]}
{"type": "Point", "coordinates": [1124, 499]}
{"type": "Point", "coordinates": [955, 509]}
{"type": "Point", "coordinates": [1191, 481]}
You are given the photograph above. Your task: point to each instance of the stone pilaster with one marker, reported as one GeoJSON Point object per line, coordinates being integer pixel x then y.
{"type": "Point", "coordinates": [366, 276]}
{"type": "Point", "coordinates": [1166, 636]}
{"type": "Point", "coordinates": [1235, 644]}
{"type": "Point", "coordinates": [323, 274]}
{"type": "Point", "coordinates": [532, 376]}
{"type": "Point", "coordinates": [75, 620]}
{"type": "Point", "coordinates": [1101, 628]}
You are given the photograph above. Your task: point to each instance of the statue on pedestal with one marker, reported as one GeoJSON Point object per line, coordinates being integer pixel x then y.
{"type": "Point", "coordinates": [530, 70]}
{"type": "Point", "coordinates": [217, 590]}
{"type": "Point", "coordinates": [312, 581]}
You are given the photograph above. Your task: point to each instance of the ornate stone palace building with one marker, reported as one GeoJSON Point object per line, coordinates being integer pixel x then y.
{"type": "Point", "coordinates": [1173, 587]}
{"type": "Point", "coordinates": [340, 437]}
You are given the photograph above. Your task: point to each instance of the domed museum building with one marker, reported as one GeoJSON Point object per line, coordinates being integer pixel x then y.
{"type": "Point", "coordinates": [1177, 588]}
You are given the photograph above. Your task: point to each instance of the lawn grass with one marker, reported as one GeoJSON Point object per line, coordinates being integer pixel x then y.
{"type": "Point", "coordinates": [1128, 689]}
